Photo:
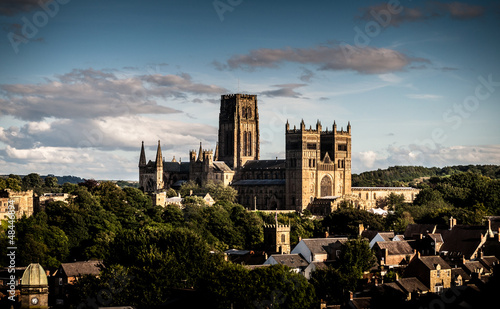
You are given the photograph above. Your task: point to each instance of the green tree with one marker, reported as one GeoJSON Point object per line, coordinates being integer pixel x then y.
{"type": "Point", "coordinates": [13, 183]}
{"type": "Point", "coordinates": [32, 181]}
{"type": "Point", "coordinates": [51, 182]}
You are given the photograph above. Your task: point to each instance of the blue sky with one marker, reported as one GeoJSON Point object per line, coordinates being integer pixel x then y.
{"type": "Point", "coordinates": [82, 83]}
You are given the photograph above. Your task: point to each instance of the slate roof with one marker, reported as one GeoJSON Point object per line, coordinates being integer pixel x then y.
{"type": "Point", "coordinates": [462, 238]}
{"type": "Point", "coordinates": [387, 236]}
{"type": "Point", "coordinates": [415, 229]}
{"type": "Point", "coordinates": [472, 266]}
{"type": "Point", "coordinates": [221, 166]}
{"type": "Point", "coordinates": [488, 262]}
{"type": "Point", "coordinates": [81, 268]}
{"type": "Point", "coordinates": [412, 284]}
{"type": "Point", "coordinates": [436, 237]}
{"type": "Point", "coordinates": [182, 167]}
{"type": "Point", "coordinates": [319, 245]}
{"type": "Point", "coordinates": [291, 260]}
{"type": "Point", "coordinates": [361, 302]}
{"type": "Point", "coordinates": [431, 262]}
{"type": "Point", "coordinates": [264, 165]}
{"type": "Point", "coordinates": [455, 272]}
{"type": "Point", "coordinates": [395, 247]}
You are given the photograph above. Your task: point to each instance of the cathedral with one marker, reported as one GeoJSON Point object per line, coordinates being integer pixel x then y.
{"type": "Point", "coordinates": [315, 175]}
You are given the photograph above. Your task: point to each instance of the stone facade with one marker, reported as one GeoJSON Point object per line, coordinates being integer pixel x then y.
{"type": "Point", "coordinates": [315, 174]}
{"type": "Point", "coordinates": [23, 203]}
{"type": "Point", "coordinates": [277, 238]}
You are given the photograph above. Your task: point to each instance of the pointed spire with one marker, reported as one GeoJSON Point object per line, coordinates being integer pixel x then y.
{"type": "Point", "coordinates": [348, 127]}
{"type": "Point", "coordinates": [287, 126]}
{"type": "Point", "coordinates": [142, 158]}
{"type": "Point", "coordinates": [159, 157]}
{"type": "Point", "coordinates": [216, 157]}
{"type": "Point", "coordinates": [200, 153]}
{"type": "Point", "coordinates": [334, 127]}
{"type": "Point", "coordinates": [302, 125]}
{"type": "Point", "coordinates": [173, 159]}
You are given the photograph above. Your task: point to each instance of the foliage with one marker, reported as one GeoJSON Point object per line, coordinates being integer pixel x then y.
{"type": "Point", "coordinates": [345, 221]}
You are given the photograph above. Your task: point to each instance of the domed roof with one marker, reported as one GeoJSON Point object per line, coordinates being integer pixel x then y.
{"type": "Point", "coordinates": [34, 275]}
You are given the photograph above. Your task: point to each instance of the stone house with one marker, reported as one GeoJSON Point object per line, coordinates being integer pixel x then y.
{"type": "Point", "coordinates": [319, 249]}
{"type": "Point", "coordinates": [432, 271]}
{"type": "Point", "coordinates": [393, 253]}
{"type": "Point", "coordinates": [296, 262]}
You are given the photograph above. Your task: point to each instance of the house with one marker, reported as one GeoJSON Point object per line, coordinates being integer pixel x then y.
{"type": "Point", "coordinates": [393, 253]}
{"type": "Point", "coordinates": [463, 241]}
{"type": "Point", "coordinates": [296, 262]}
{"type": "Point", "coordinates": [66, 275]}
{"type": "Point", "coordinates": [428, 244]}
{"type": "Point", "coordinates": [413, 231]}
{"type": "Point", "coordinates": [319, 249]}
{"type": "Point", "coordinates": [411, 288]}
{"type": "Point", "coordinates": [41, 201]}
{"type": "Point", "coordinates": [375, 236]}
{"type": "Point", "coordinates": [313, 267]}
{"type": "Point", "coordinates": [432, 271]}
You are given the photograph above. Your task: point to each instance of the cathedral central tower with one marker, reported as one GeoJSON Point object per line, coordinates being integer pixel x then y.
{"type": "Point", "coordinates": [239, 139]}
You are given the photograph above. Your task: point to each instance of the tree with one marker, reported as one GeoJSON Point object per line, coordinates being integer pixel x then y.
{"type": "Point", "coordinates": [355, 258]}
{"type": "Point", "coordinates": [220, 192]}
{"type": "Point", "coordinates": [51, 182]}
{"type": "Point", "coordinates": [32, 181]}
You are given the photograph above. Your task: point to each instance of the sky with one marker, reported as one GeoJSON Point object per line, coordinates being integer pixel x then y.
{"type": "Point", "coordinates": [83, 83]}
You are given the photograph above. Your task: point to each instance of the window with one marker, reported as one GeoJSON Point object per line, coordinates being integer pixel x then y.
{"type": "Point", "coordinates": [60, 281]}
{"type": "Point", "coordinates": [342, 147]}
{"type": "Point", "coordinates": [283, 238]}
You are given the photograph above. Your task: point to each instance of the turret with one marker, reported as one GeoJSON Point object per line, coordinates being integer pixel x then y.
{"type": "Point", "coordinates": [216, 155]}
{"type": "Point", "coordinates": [348, 127]}
{"type": "Point", "coordinates": [142, 158]}
{"type": "Point", "coordinates": [302, 125]}
{"type": "Point", "coordinates": [200, 154]}
{"type": "Point", "coordinates": [287, 126]}
{"type": "Point", "coordinates": [334, 127]}
{"type": "Point", "coordinates": [159, 168]}
{"type": "Point", "coordinates": [318, 126]}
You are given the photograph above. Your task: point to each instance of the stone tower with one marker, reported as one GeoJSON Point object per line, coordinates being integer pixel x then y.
{"type": "Point", "coordinates": [34, 287]}
{"type": "Point", "coordinates": [239, 139]}
{"type": "Point", "coordinates": [277, 238]}
{"type": "Point", "coordinates": [318, 164]}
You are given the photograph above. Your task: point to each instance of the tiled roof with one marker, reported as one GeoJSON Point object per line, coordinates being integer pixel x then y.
{"type": "Point", "coordinates": [416, 229]}
{"type": "Point", "coordinates": [412, 284]}
{"type": "Point", "coordinates": [472, 266]}
{"type": "Point", "coordinates": [395, 247]}
{"type": "Point", "coordinates": [455, 272]}
{"type": "Point", "coordinates": [436, 237]}
{"type": "Point", "coordinates": [463, 239]}
{"type": "Point", "coordinates": [431, 262]}
{"type": "Point", "coordinates": [290, 260]}
{"type": "Point", "coordinates": [488, 261]}
{"type": "Point", "coordinates": [319, 245]}
{"type": "Point", "coordinates": [81, 268]}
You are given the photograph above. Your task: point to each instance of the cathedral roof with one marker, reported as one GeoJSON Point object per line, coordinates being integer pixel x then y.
{"type": "Point", "coordinates": [221, 166]}
{"type": "Point", "coordinates": [264, 164]}
{"type": "Point", "coordinates": [259, 182]}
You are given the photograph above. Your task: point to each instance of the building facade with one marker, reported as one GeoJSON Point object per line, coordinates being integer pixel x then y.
{"type": "Point", "coordinates": [315, 174]}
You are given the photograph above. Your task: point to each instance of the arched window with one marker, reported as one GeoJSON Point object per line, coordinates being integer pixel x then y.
{"type": "Point", "coordinates": [245, 143]}
{"type": "Point", "coordinates": [326, 186]}
{"type": "Point", "coordinates": [283, 238]}
{"type": "Point", "coordinates": [249, 143]}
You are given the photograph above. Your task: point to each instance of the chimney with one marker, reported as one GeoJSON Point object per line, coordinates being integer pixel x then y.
{"type": "Point", "coordinates": [452, 222]}
{"type": "Point", "coordinates": [190, 192]}
{"type": "Point", "coordinates": [361, 228]}
{"type": "Point", "coordinates": [351, 296]}
{"type": "Point", "coordinates": [326, 234]}
{"type": "Point", "coordinates": [300, 238]}
{"type": "Point", "coordinates": [498, 235]}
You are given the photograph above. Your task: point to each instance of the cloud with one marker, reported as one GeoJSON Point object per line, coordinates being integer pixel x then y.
{"type": "Point", "coordinates": [381, 13]}
{"type": "Point", "coordinates": [93, 93]}
{"type": "Point", "coordinates": [306, 75]}
{"type": "Point", "coordinates": [365, 60]}
{"type": "Point", "coordinates": [13, 7]}
{"type": "Point", "coordinates": [107, 133]}
{"type": "Point", "coordinates": [422, 155]}
{"type": "Point", "coordinates": [424, 96]}
{"type": "Point", "coordinates": [284, 90]}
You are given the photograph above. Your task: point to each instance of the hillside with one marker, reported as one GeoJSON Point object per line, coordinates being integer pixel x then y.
{"type": "Point", "coordinates": [397, 176]}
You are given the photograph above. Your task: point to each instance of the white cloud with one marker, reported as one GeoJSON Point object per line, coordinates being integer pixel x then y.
{"type": "Point", "coordinates": [421, 155]}
{"type": "Point", "coordinates": [424, 96]}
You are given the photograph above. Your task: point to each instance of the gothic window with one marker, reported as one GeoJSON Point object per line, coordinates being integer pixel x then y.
{"type": "Point", "coordinates": [283, 238]}
{"type": "Point", "coordinates": [249, 115]}
{"type": "Point", "coordinates": [245, 143]}
{"type": "Point", "coordinates": [366, 195]}
{"type": "Point", "coordinates": [249, 143]}
{"type": "Point", "coordinates": [326, 186]}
